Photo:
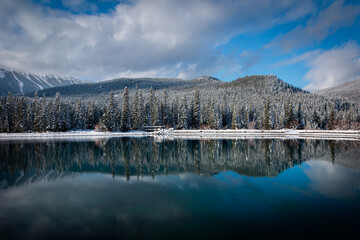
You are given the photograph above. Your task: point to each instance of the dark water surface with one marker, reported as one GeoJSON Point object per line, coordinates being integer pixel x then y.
{"type": "Point", "coordinates": [131, 188]}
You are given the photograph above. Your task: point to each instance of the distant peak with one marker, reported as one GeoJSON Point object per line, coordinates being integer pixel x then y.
{"type": "Point", "coordinates": [206, 78]}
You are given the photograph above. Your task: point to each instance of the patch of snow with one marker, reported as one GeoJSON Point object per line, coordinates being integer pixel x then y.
{"type": "Point", "coordinates": [41, 87]}
{"type": "Point", "coordinates": [2, 74]}
{"type": "Point", "coordinates": [21, 84]}
{"type": "Point", "coordinates": [57, 79]}
{"type": "Point", "coordinates": [44, 80]}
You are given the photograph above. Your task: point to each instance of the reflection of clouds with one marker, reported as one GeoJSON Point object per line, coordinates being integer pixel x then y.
{"type": "Point", "coordinates": [86, 203]}
{"type": "Point", "coordinates": [332, 180]}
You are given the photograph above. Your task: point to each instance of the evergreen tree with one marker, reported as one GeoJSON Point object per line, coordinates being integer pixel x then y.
{"type": "Point", "coordinates": [9, 113]}
{"type": "Point", "coordinates": [79, 118]}
{"type": "Point", "coordinates": [289, 114]}
{"type": "Point", "coordinates": [223, 117]}
{"type": "Point", "coordinates": [315, 120]}
{"type": "Point", "coordinates": [266, 121]}
{"type": "Point", "coordinates": [210, 114]}
{"type": "Point", "coordinates": [234, 119]}
{"type": "Point", "coordinates": [125, 116]}
{"type": "Point", "coordinates": [108, 118]}
{"type": "Point", "coordinates": [37, 120]}
{"type": "Point", "coordinates": [2, 117]}
{"type": "Point", "coordinates": [153, 108]}
{"type": "Point", "coordinates": [182, 124]}
{"type": "Point", "coordinates": [136, 110]}
{"type": "Point", "coordinates": [19, 114]}
{"type": "Point", "coordinates": [50, 116]}
{"type": "Point", "coordinates": [141, 110]}
{"type": "Point", "coordinates": [331, 123]}
{"type": "Point", "coordinates": [43, 114]}
{"type": "Point", "coordinates": [299, 117]}
{"type": "Point", "coordinates": [175, 113]}
{"type": "Point", "coordinates": [197, 110]}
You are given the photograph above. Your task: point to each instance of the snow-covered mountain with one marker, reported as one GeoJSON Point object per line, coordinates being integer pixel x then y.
{"type": "Point", "coordinates": [349, 90]}
{"type": "Point", "coordinates": [20, 82]}
{"type": "Point", "coordinates": [117, 85]}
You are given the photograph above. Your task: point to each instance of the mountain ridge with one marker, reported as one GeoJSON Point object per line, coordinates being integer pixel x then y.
{"type": "Point", "coordinates": [257, 83]}
{"type": "Point", "coordinates": [18, 82]}
{"type": "Point", "coordinates": [118, 84]}
{"type": "Point", "coordinates": [349, 90]}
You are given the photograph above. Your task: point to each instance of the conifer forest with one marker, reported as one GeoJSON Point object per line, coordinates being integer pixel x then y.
{"type": "Point", "coordinates": [254, 102]}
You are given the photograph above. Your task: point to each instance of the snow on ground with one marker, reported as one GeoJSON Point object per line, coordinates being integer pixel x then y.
{"type": "Point", "coordinates": [198, 134]}
{"type": "Point", "coordinates": [2, 74]}
{"type": "Point", "coordinates": [70, 134]}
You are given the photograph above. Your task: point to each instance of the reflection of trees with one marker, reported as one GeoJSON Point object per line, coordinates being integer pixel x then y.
{"type": "Point", "coordinates": [144, 156]}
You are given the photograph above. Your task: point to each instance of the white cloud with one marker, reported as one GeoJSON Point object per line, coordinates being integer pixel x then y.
{"type": "Point", "coordinates": [335, 66]}
{"type": "Point", "coordinates": [299, 58]}
{"type": "Point", "coordinates": [323, 24]}
{"type": "Point", "coordinates": [143, 37]}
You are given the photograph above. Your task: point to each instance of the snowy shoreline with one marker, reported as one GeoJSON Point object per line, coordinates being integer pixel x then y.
{"type": "Point", "coordinates": [196, 134]}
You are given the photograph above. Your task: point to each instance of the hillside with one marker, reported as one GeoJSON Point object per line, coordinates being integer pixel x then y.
{"type": "Point", "coordinates": [19, 82]}
{"type": "Point", "coordinates": [348, 90]}
{"type": "Point", "coordinates": [256, 84]}
{"type": "Point", "coordinates": [117, 85]}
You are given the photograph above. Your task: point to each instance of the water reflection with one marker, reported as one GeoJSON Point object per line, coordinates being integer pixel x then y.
{"type": "Point", "coordinates": [140, 157]}
{"type": "Point", "coordinates": [140, 188]}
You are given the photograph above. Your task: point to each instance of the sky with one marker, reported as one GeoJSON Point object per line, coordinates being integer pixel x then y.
{"type": "Point", "coordinates": [310, 44]}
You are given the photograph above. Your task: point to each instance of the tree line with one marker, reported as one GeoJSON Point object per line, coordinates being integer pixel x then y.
{"type": "Point", "coordinates": [190, 111]}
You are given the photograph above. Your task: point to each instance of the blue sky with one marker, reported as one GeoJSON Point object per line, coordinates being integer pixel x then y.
{"type": "Point", "coordinates": [310, 44]}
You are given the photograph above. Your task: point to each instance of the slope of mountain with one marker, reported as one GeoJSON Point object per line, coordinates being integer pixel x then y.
{"type": "Point", "coordinates": [250, 84]}
{"type": "Point", "coordinates": [268, 83]}
{"type": "Point", "coordinates": [117, 85]}
{"type": "Point", "coordinates": [19, 82]}
{"type": "Point", "coordinates": [348, 90]}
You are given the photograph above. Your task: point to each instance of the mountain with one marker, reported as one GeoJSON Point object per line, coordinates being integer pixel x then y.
{"type": "Point", "coordinates": [256, 84]}
{"type": "Point", "coordinates": [348, 90]}
{"type": "Point", "coordinates": [20, 82]}
{"type": "Point", "coordinates": [117, 85]}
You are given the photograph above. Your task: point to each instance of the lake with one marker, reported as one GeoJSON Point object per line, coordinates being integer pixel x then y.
{"type": "Point", "coordinates": [158, 188]}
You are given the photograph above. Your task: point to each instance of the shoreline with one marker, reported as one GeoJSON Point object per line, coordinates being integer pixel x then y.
{"type": "Point", "coordinates": [196, 134]}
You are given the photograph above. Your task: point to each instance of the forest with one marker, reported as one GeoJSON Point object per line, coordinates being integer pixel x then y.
{"type": "Point", "coordinates": [255, 102]}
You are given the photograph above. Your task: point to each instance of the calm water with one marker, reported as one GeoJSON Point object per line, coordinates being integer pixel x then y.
{"type": "Point", "coordinates": [190, 189]}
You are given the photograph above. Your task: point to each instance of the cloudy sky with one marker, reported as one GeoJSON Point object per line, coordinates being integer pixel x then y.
{"type": "Point", "coordinates": [310, 44]}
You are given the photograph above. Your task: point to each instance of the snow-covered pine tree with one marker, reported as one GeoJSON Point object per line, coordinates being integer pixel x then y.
{"type": "Point", "coordinates": [331, 123]}
{"type": "Point", "coordinates": [107, 122]}
{"type": "Point", "coordinates": [182, 114]}
{"type": "Point", "coordinates": [299, 117]}
{"type": "Point", "coordinates": [20, 114]}
{"type": "Point", "coordinates": [135, 111]}
{"type": "Point", "coordinates": [234, 118]}
{"type": "Point", "coordinates": [43, 114]}
{"type": "Point", "coordinates": [9, 112]}
{"type": "Point", "coordinates": [197, 110]}
{"type": "Point", "coordinates": [266, 118]}
{"type": "Point", "coordinates": [153, 108]}
{"type": "Point", "coordinates": [37, 121]}
{"type": "Point", "coordinates": [141, 110]}
{"type": "Point", "coordinates": [125, 114]}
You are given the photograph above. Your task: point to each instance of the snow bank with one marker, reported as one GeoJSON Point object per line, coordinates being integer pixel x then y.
{"type": "Point", "coordinates": [198, 134]}
{"type": "Point", "coordinates": [71, 134]}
